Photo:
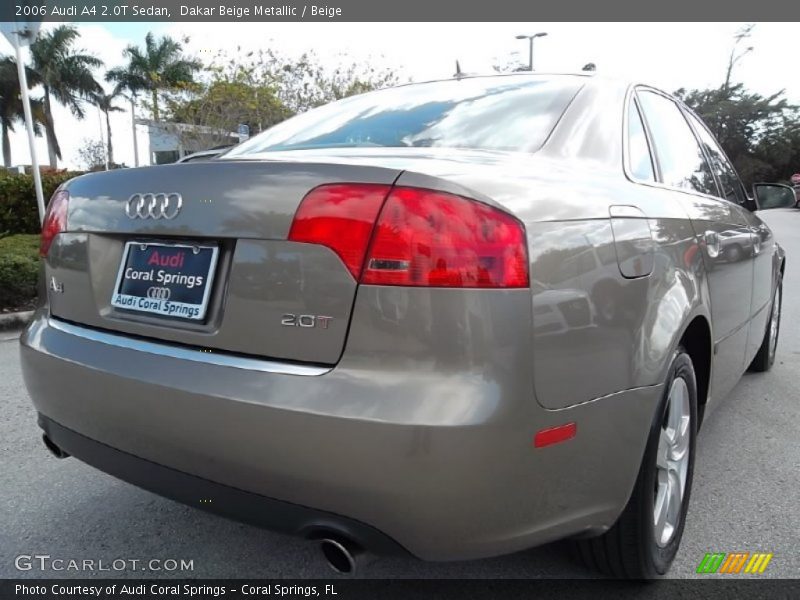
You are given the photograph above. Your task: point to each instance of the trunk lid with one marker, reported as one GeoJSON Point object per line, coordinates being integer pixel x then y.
{"type": "Point", "coordinates": [267, 297]}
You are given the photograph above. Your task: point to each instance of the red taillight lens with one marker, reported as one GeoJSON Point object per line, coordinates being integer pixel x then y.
{"type": "Point", "coordinates": [341, 217]}
{"type": "Point", "coordinates": [422, 237]}
{"type": "Point", "coordinates": [55, 220]}
{"type": "Point", "coordinates": [428, 238]}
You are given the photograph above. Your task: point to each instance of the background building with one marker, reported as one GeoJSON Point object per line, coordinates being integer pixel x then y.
{"type": "Point", "coordinates": [161, 143]}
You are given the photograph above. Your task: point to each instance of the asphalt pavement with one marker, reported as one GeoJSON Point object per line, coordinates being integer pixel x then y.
{"type": "Point", "coordinates": [746, 494]}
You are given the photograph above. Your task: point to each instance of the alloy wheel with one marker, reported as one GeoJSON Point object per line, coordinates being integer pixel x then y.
{"type": "Point", "coordinates": [672, 463]}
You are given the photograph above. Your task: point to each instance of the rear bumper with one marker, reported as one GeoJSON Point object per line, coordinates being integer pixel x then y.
{"type": "Point", "coordinates": [439, 461]}
{"type": "Point", "coordinates": [283, 517]}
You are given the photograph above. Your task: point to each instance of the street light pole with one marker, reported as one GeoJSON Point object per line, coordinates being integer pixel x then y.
{"type": "Point", "coordinates": [26, 107]}
{"type": "Point", "coordinates": [20, 34]}
{"type": "Point", "coordinates": [530, 39]}
{"type": "Point", "coordinates": [133, 129]}
{"type": "Point", "coordinates": [530, 53]}
{"type": "Point", "coordinates": [103, 141]}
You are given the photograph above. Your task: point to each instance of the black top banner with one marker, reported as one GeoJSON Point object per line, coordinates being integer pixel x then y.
{"type": "Point", "coordinates": [407, 10]}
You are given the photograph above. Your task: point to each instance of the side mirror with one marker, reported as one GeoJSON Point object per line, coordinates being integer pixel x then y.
{"type": "Point", "coordinates": [773, 195]}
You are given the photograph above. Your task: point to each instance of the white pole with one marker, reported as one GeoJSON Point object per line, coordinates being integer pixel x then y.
{"type": "Point", "coordinates": [133, 128]}
{"type": "Point", "coordinates": [102, 140]}
{"type": "Point", "coordinates": [26, 106]}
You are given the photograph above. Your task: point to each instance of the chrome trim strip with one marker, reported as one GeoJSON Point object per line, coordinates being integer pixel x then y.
{"type": "Point", "coordinates": [222, 360]}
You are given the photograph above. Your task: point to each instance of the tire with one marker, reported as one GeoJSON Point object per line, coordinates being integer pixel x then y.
{"type": "Point", "coordinates": [635, 547]}
{"type": "Point", "coordinates": [765, 357]}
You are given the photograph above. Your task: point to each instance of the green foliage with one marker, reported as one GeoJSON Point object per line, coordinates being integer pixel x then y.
{"type": "Point", "coordinates": [263, 88]}
{"type": "Point", "coordinates": [92, 154]}
{"type": "Point", "coordinates": [65, 73]}
{"type": "Point", "coordinates": [760, 134]}
{"type": "Point", "coordinates": [18, 210]}
{"type": "Point", "coordinates": [304, 82]}
{"type": "Point", "coordinates": [158, 67]}
{"type": "Point", "coordinates": [221, 106]}
{"type": "Point", "coordinates": [19, 270]}
{"type": "Point", "coordinates": [105, 102]}
{"type": "Point", "coordinates": [11, 111]}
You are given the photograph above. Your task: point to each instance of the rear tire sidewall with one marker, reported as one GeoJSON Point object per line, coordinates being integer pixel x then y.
{"type": "Point", "coordinates": [764, 358]}
{"type": "Point", "coordinates": [658, 559]}
{"type": "Point", "coordinates": [769, 341]}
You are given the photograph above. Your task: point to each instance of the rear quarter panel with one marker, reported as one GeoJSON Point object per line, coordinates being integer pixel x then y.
{"type": "Point", "coordinates": [594, 332]}
{"type": "Point", "coordinates": [626, 337]}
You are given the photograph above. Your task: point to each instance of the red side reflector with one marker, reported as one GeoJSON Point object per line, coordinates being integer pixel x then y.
{"type": "Point", "coordinates": [55, 220]}
{"type": "Point", "coordinates": [340, 216]}
{"type": "Point", "coordinates": [554, 435]}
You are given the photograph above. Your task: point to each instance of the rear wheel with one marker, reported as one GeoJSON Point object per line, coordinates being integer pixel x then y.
{"type": "Point", "coordinates": [643, 542]}
{"type": "Point", "coordinates": [765, 357]}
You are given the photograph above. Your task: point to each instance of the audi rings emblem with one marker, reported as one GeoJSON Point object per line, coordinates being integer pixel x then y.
{"type": "Point", "coordinates": [158, 293]}
{"type": "Point", "coordinates": [154, 206]}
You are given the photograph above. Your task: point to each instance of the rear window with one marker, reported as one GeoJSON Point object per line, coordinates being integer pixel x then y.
{"type": "Point", "coordinates": [514, 113]}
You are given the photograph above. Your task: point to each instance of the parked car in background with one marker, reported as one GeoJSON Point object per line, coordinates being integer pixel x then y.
{"type": "Point", "coordinates": [203, 155]}
{"type": "Point", "coordinates": [400, 323]}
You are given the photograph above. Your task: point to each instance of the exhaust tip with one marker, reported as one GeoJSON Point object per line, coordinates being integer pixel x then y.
{"type": "Point", "coordinates": [339, 556]}
{"type": "Point", "coordinates": [53, 448]}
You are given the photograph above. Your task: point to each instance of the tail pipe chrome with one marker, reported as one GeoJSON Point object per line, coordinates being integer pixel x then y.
{"type": "Point", "coordinates": [342, 555]}
{"type": "Point", "coordinates": [53, 447]}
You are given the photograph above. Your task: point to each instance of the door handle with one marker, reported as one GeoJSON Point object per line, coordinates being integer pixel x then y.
{"type": "Point", "coordinates": [711, 239]}
{"type": "Point", "coordinates": [756, 243]}
{"type": "Point", "coordinates": [626, 211]}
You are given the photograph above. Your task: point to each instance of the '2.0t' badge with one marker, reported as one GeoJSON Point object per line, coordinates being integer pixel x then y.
{"type": "Point", "coordinates": [305, 321]}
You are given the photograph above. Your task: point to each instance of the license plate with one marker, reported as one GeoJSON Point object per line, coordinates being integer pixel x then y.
{"type": "Point", "coordinates": [173, 280]}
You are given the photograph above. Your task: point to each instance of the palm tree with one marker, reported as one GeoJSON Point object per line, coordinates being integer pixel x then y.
{"type": "Point", "coordinates": [105, 102]}
{"type": "Point", "coordinates": [160, 66]}
{"type": "Point", "coordinates": [11, 110]}
{"type": "Point", "coordinates": [66, 76]}
{"type": "Point", "coordinates": [132, 84]}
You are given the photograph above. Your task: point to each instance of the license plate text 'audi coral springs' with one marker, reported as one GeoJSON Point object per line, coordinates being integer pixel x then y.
{"type": "Point", "coordinates": [450, 320]}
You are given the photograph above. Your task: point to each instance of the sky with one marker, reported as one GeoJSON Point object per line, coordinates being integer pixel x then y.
{"type": "Point", "coordinates": [665, 55]}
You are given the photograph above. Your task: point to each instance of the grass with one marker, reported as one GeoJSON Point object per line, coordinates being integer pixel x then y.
{"type": "Point", "coordinates": [19, 271]}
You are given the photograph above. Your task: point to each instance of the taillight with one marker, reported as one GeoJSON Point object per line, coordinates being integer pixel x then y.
{"type": "Point", "coordinates": [340, 216]}
{"type": "Point", "coordinates": [429, 238]}
{"type": "Point", "coordinates": [55, 220]}
{"type": "Point", "coordinates": [421, 237]}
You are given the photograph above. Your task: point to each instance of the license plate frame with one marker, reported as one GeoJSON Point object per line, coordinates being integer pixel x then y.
{"type": "Point", "coordinates": [160, 304]}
